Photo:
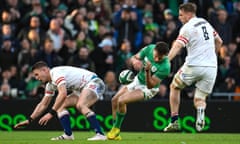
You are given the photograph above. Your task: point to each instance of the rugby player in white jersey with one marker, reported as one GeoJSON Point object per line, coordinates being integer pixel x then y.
{"type": "Point", "coordinates": [86, 89]}
{"type": "Point", "coordinates": [200, 67]}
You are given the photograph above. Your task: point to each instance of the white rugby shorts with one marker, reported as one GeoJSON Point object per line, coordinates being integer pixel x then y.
{"type": "Point", "coordinates": [148, 93]}
{"type": "Point", "coordinates": [203, 77]}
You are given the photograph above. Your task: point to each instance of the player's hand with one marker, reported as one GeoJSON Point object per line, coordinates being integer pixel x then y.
{"type": "Point", "coordinates": [21, 124]}
{"type": "Point", "coordinates": [147, 66]}
{"type": "Point", "coordinates": [137, 64]}
{"type": "Point", "coordinates": [44, 120]}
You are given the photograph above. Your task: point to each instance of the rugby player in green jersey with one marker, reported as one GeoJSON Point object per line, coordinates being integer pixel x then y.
{"type": "Point", "coordinates": [153, 66]}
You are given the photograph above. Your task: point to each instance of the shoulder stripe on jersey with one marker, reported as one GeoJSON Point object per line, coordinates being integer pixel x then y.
{"type": "Point", "coordinates": [59, 80]}
{"type": "Point", "coordinates": [183, 39]}
{"type": "Point", "coordinates": [48, 92]}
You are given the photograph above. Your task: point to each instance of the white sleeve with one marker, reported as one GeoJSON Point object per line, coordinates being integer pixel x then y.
{"type": "Point", "coordinates": [58, 78]}
{"type": "Point", "coordinates": [183, 36]}
{"type": "Point", "coordinates": [49, 90]}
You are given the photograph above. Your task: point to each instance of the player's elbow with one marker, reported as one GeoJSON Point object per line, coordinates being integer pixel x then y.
{"type": "Point", "coordinates": [219, 42]}
{"type": "Point", "coordinates": [150, 85]}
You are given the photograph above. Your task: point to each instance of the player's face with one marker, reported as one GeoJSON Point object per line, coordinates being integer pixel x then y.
{"type": "Point", "coordinates": [41, 75]}
{"type": "Point", "coordinates": [183, 16]}
{"type": "Point", "coordinates": [156, 56]}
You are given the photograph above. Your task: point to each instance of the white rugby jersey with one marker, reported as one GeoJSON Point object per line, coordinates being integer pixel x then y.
{"type": "Point", "coordinates": [198, 36]}
{"type": "Point", "coordinates": [74, 78]}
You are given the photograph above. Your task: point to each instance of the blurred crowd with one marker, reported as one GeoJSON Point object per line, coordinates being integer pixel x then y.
{"type": "Point", "coordinates": [101, 36]}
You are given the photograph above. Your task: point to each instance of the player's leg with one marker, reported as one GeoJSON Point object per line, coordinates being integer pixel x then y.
{"type": "Point", "coordinates": [86, 100]}
{"type": "Point", "coordinates": [200, 105]}
{"type": "Point", "coordinates": [174, 100]}
{"type": "Point", "coordinates": [123, 100]}
{"type": "Point", "coordinates": [114, 102]}
{"type": "Point", "coordinates": [89, 96]}
{"type": "Point", "coordinates": [138, 93]}
{"type": "Point", "coordinates": [203, 89]}
{"type": "Point", "coordinates": [64, 118]}
{"type": "Point", "coordinates": [129, 97]}
{"type": "Point", "coordinates": [178, 83]}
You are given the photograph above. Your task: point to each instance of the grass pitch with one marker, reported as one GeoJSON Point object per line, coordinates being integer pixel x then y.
{"type": "Point", "coordinates": [43, 137]}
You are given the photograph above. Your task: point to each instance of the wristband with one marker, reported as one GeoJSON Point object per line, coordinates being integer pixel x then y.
{"type": "Point", "coordinates": [53, 112]}
{"type": "Point", "coordinates": [30, 120]}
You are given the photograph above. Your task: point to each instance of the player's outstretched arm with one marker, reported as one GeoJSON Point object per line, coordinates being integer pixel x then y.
{"type": "Point", "coordinates": [22, 124]}
{"type": "Point", "coordinates": [62, 94]}
{"type": "Point", "coordinates": [176, 47]}
{"type": "Point", "coordinates": [40, 108]}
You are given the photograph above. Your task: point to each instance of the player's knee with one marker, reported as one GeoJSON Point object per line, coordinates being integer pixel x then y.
{"type": "Point", "coordinates": [177, 83]}
{"type": "Point", "coordinates": [114, 100]}
{"type": "Point", "coordinates": [199, 102]}
{"type": "Point", "coordinates": [173, 86]}
{"type": "Point", "coordinates": [200, 98]}
{"type": "Point", "coordinates": [121, 102]}
{"type": "Point", "coordinates": [62, 112]}
{"type": "Point", "coordinates": [79, 107]}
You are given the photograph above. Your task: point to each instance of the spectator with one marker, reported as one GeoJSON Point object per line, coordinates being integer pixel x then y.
{"type": "Point", "coordinates": [34, 24]}
{"type": "Point", "coordinates": [7, 33]}
{"type": "Point", "coordinates": [104, 57]}
{"type": "Point", "coordinates": [150, 26]}
{"type": "Point", "coordinates": [8, 55]}
{"type": "Point", "coordinates": [223, 23]}
{"type": "Point", "coordinates": [34, 38]}
{"type": "Point", "coordinates": [32, 86]}
{"type": "Point", "coordinates": [169, 17]}
{"type": "Point", "coordinates": [158, 11]}
{"type": "Point", "coordinates": [69, 49]}
{"type": "Point", "coordinates": [24, 58]}
{"type": "Point", "coordinates": [103, 32]}
{"type": "Point", "coordinates": [92, 23]}
{"type": "Point", "coordinates": [127, 27]}
{"type": "Point", "coordinates": [111, 85]}
{"type": "Point", "coordinates": [57, 34]}
{"type": "Point", "coordinates": [123, 56]}
{"type": "Point", "coordinates": [82, 59]}
{"type": "Point", "coordinates": [36, 11]}
{"type": "Point", "coordinates": [54, 6]}
{"type": "Point", "coordinates": [84, 40]}
{"type": "Point", "coordinates": [48, 55]}
{"type": "Point", "coordinates": [79, 4]}
{"type": "Point", "coordinates": [171, 32]}
{"type": "Point", "coordinates": [102, 9]}
{"type": "Point", "coordinates": [68, 22]}
{"type": "Point", "coordinates": [147, 39]}
{"type": "Point", "coordinates": [13, 7]}
{"type": "Point", "coordinates": [5, 92]}
{"type": "Point", "coordinates": [7, 18]}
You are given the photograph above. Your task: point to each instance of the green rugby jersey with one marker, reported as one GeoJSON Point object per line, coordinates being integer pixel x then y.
{"type": "Point", "coordinates": [159, 69]}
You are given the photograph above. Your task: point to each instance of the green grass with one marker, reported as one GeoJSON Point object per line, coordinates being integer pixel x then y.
{"type": "Point", "coordinates": [42, 137]}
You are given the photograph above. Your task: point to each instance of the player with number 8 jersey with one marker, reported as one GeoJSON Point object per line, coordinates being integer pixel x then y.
{"type": "Point", "coordinates": [200, 67]}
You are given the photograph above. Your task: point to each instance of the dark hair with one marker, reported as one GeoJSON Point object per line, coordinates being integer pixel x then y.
{"type": "Point", "coordinates": [38, 65]}
{"type": "Point", "coordinates": [188, 7]}
{"type": "Point", "coordinates": [162, 48]}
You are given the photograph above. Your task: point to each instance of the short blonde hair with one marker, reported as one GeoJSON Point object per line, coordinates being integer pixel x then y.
{"type": "Point", "coordinates": [188, 7]}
